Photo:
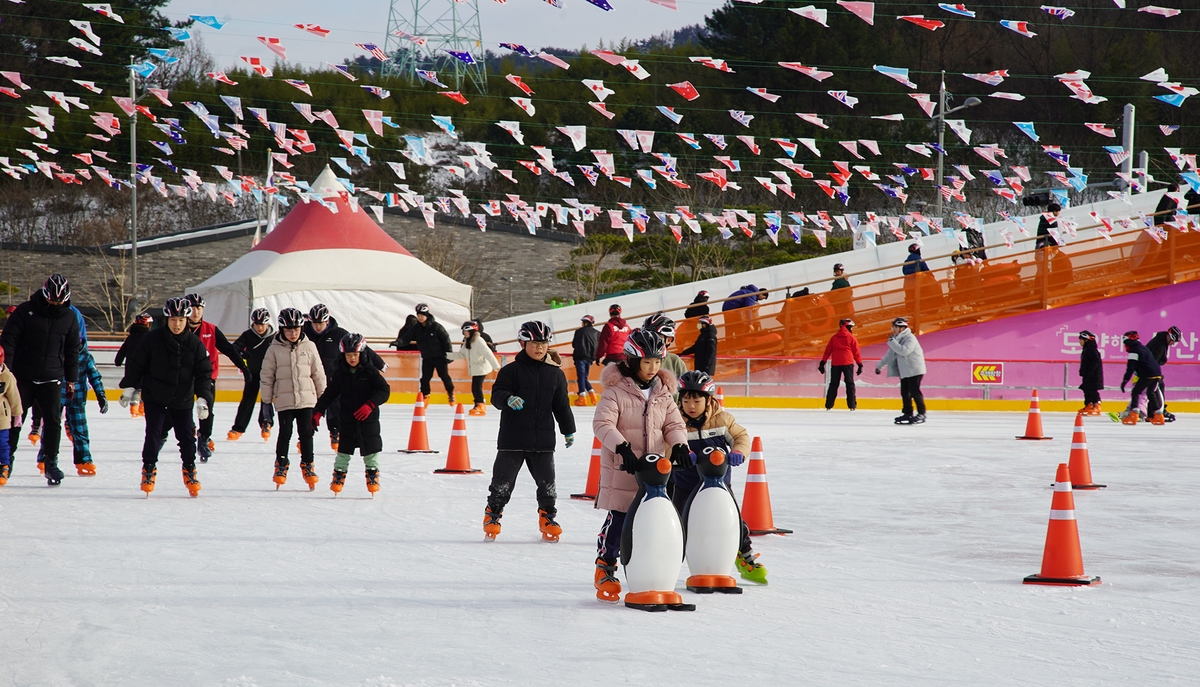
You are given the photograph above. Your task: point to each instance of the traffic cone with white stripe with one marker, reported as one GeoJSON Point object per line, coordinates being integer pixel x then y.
{"type": "Point", "coordinates": [1033, 426]}
{"type": "Point", "coordinates": [418, 436]}
{"type": "Point", "coordinates": [720, 397]}
{"type": "Point", "coordinates": [592, 489]}
{"type": "Point", "coordinates": [1081, 464]}
{"type": "Point", "coordinates": [756, 499]}
{"type": "Point", "coordinates": [1062, 559]}
{"type": "Point", "coordinates": [458, 459]}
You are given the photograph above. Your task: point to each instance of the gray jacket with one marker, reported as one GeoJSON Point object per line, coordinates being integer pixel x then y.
{"type": "Point", "coordinates": [904, 357]}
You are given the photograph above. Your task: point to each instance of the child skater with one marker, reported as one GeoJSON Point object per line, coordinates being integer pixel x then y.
{"type": "Point", "coordinates": [359, 388]}
{"type": "Point", "coordinates": [1091, 369]}
{"type": "Point", "coordinates": [10, 416]}
{"type": "Point", "coordinates": [480, 361]}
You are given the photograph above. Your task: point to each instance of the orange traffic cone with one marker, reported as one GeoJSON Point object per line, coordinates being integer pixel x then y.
{"type": "Point", "coordinates": [1081, 465]}
{"type": "Point", "coordinates": [418, 436]}
{"type": "Point", "coordinates": [458, 459]}
{"type": "Point", "coordinates": [1033, 426]}
{"type": "Point", "coordinates": [720, 397]}
{"type": "Point", "coordinates": [592, 490]}
{"type": "Point", "coordinates": [756, 499]}
{"type": "Point", "coordinates": [1062, 560]}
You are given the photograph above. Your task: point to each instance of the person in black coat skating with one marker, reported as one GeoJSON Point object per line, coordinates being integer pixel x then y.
{"type": "Point", "coordinates": [358, 388]}
{"type": "Point", "coordinates": [531, 394]}
{"type": "Point", "coordinates": [323, 330]}
{"type": "Point", "coordinates": [1159, 346]}
{"type": "Point", "coordinates": [583, 352]}
{"type": "Point", "coordinates": [252, 347]}
{"type": "Point", "coordinates": [1091, 370]}
{"type": "Point", "coordinates": [1149, 374]}
{"type": "Point", "coordinates": [705, 348]}
{"type": "Point", "coordinates": [434, 343]}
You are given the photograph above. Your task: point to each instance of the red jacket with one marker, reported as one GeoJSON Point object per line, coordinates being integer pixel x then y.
{"type": "Point", "coordinates": [215, 341]}
{"type": "Point", "coordinates": [843, 348]}
{"type": "Point", "coordinates": [612, 339]}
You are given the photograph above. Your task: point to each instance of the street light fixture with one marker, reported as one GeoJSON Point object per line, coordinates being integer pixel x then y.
{"type": "Point", "coordinates": [941, 125]}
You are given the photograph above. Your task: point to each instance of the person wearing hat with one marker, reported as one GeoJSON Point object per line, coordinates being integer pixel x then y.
{"type": "Point", "coordinates": [839, 280]}
{"type": "Point", "coordinates": [699, 306]}
{"type": "Point", "coordinates": [434, 344]}
{"type": "Point", "coordinates": [1091, 371]}
{"type": "Point", "coordinates": [583, 352]}
{"type": "Point", "coordinates": [610, 345]}
{"type": "Point", "coordinates": [704, 349]}
{"type": "Point", "coordinates": [842, 350]}
{"type": "Point", "coordinates": [905, 359]}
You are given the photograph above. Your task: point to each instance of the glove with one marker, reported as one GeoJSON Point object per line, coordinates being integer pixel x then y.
{"type": "Point", "coordinates": [137, 396]}
{"type": "Point", "coordinates": [821, 367]}
{"type": "Point", "coordinates": [127, 397]}
{"type": "Point", "coordinates": [681, 457]}
{"type": "Point", "coordinates": [628, 460]}
{"type": "Point", "coordinates": [877, 370]}
{"type": "Point", "coordinates": [364, 411]}
{"type": "Point", "coordinates": [316, 423]}
{"type": "Point", "coordinates": [1123, 387]}
{"type": "Point", "coordinates": [516, 402]}
{"type": "Point", "coordinates": [71, 388]}
{"type": "Point", "coordinates": [736, 459]}
{"type": "Point", "coordinates": [202, 409]}
{"type": "Point", "coordinates": [16, 421]}
{"type": "Point", "coordinates": [569, 440]}
{"type": "Point", "coordinates": [859, 372]}
{"type": "Point", "coordinates": [103, 403]}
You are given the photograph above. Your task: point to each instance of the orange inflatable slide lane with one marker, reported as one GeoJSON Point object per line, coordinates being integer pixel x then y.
{"type": "Point", "coordinates": [458, 459]}
{"type": "Point", "coordinates": [756, 499]}
{"type": "Point", "coordinates": [1080, 463]}
{"type": "Point", "coordinates": [592, 489]}
{"type": "Point", "coordinates": [418, 436]}
{"type": "Point", "coordinates": [1033, 426]}
{"type": "Point", "coordinates": [1062, 559]}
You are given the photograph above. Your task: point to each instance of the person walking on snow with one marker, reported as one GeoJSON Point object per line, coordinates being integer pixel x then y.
{"type": "Point", "coordinates": [905, 359]}
{"type": "Point", "coordinates": [531, 394]}
{"type": "Point", "coordinates": [292, 381]}
{"type": "Point", "coordinates": [705, 347]}
{"type": "Point", "coordinates": [252, 347]}
{"type": "Point", "coordinates": [480, 362]}
{"type": "Point", "coordinates": [139, 328]}
{"type": "Point", "coordinates": [10, 412]}
{"type": "Point", "coordinates": [842, 351]}
{"type": "Point", "coordinates": [41, 342]}
{"type": "Point", "coordinates": [434, 343]}
{"type": "Point", "coordinates": [583, 352]}
{"type": "Point", "coordinates": [1091, 372]}
{"type": "Point", "coordinates": [635, 417]}
{"type": "Point", "coordinates": [214, 342]}
{"type": "Point", "coordinates": [172, 369]}
{"type": "Point", "coordinates": [611, 342]}
{"type": "Point", "coordinates": [358, 388]}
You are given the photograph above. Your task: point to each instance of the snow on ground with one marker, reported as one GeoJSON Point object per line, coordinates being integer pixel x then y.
{"type": "Point", "coordinates": [905, 568]}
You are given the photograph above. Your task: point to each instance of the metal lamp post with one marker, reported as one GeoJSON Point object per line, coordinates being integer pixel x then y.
{"type": "Point", "coordinates": [941, 126]}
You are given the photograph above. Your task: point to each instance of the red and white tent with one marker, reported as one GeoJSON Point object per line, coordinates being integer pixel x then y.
{"type": "Point", "coordinates": [342, 259]}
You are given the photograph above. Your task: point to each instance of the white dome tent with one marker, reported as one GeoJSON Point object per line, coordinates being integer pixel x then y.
{"type": "Point", "coordinates": [343, 259]}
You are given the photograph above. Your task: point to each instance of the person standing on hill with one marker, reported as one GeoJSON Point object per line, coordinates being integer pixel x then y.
{"type": "Point", "coordinates": [214, 342]}
{"type": "Point", "coordinates": [583, 352]}
{"type": "Point", "coordinates": [611, 344]}
{"type": "Point", "coordinates": [252, 346]}
{"type": "Point", "coordinates": [842, 351]}
{"type": "Point", "coordinates": [705, 348]}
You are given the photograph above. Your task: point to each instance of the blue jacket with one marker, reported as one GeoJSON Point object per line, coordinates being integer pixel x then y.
{"type": "Point", "coordinates": [913, 264]}
{"type": "Point", "coordinates": [749, 295]}
{"type": "Point", "coordinates": [1141, 361]}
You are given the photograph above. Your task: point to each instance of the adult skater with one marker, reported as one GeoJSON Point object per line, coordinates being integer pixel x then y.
{"type": "Point", "coordinates": [480, 362]}
{"type": "Point", "coordinates": [1149, 374]}
{"type": "Point", "coordinates": [214, 342]}
{"type": "Point", "coordinates": [133, 336]}
{"type": "Point", "coordinates": [839, 278]}
{"type": "Point", "coordinates": [1159, 345]}
{"type": "Point", "coordinates": [323, 330]}
{"type": "Point", "coordinates": [699, 306]}
{"type": "Point", "coordinates": [292, 381]}
{"type": "Point", "coordinates": [705, 347]}
{"type": "Point", "coordinates": [842, 351]}
{"type": "Point", "coordinates": [10, 413]}
{"type": "Point", "coordinates": [905, 359]}
{"type": "Point", "coordinates": [41, 342]}
{"type": "Point", "coordinates": [358, 388]}
{"type": "Point", "coordinates": [1091, 373]}
{"type": "Point", "coordinates": [172, 369]}
{"type": "Point", "coordinates": [252, 347]}
{"type": "Point", "coordinates": [636, 416]}
{"type": "Point", "coordinates": [610, 345]}
{"type": "Point", "coordinates": [531, 394]}
{"type": "Point", "coordinates": [403, 341]}
{"type": "Point", "coordinates": [434, 343]}
{"type": "Point", "coordinates": [583, 352]}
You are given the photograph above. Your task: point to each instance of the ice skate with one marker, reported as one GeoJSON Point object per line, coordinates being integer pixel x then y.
{"type": "Point", "coordinates": [592, 398]}
{"type": "Point", "coordinates": [5, 470]}
{"type": "Point", "coordinates": [1169, 417]}
{"type": "Point", "coordinates": [1085, 410]}
{"type": "Point", "coordinates": [478, 411]}
{"type": "Point", "coordinates": [918, 419]}
{"type": "Point", "coordinates": [233, 435]}
{"type": "Point", "coordinates": [333, 444]}
{"type": "Point", "coordinates": [491, 524]}
{"type": "Point", "coordinates": [904, 420]}
{"type": "Point", "coordinates": [205, 450]}
{"type": "Point", "coordinates": [34, 437]}
{"type": "Point", "coordinates": [1131, 419]}
{"type": "Point", "coordinates": [452, 403]}
{"type": "Point", "coordinates": [266, 434]}
{"type": "Point", "coordinates": [310, 475]}
{"type": "Point", "coordinates": [54, 476]}
{"type": "Point", "coordinates": [149, 472]}
{"type": "Point", "coordinates": [608, 587]}
{"type": "Point", "coordinates": [1157, 419]}
{"type": "Point", "coordinates": [581, 401]}
{"type": "Point", "coordinates": [338, 481]}
{"type": "Point", "coordinates": [549, 527]}
{"type": "Point", "coordinates": [372, 481]}
{"type": "Point", "coordinates": [750, 569]}
{"type": "Point", "coordinates": [141, 409]}
{"type": "Point", "coordinates": [41, 467]}
{"type": "Point", "coordinates": [190, 481]}
{"type": "Point", "coordinates": [86, 469]}
{"type": "Point", "coordinates": [281, 470]}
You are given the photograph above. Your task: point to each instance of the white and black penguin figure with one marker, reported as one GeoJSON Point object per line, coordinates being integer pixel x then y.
{"type": "Point", "coordinates": [712, 527]}
{"type": "Point", "coordinates": [652, 541]}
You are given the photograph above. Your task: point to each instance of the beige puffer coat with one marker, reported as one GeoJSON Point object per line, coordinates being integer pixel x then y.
{"type": "Point", "coordinates": [292, 375]}
{"type": "Point", "coordinates": [619, 418]}
{"type": "Point", "coordinates": [480, 359]}
{"type": "Point", "coordinates": [10, 400]}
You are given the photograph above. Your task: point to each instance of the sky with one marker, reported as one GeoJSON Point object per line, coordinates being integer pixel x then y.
{"type": "Point", "coordinates": [532, 23]}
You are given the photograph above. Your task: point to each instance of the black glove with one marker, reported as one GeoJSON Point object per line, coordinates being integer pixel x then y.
{"type": "Point", "coordinates": [681, 457]}
{"type": "Point", "coordinates": [859, 372]}
{"type": "Point", "coordinates": [1123, 386]}
{"type": "Point", "coordinates": [821, 367]}
{"type": "Point", "coordinates": [628, 460]}
{"type": "Point", "coordinates": [102, 401]}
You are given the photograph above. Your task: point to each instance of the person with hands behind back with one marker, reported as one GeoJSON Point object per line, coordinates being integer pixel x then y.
{"type": "Point", "coordinates": [636, 416]}
{"type": "Point", "coordinates": [531, 394]}
{"type": "Point", "coordinates": [358, 387]}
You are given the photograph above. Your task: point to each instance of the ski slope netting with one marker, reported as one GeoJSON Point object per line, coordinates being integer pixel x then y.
{"type": "Point", "coordinates": [905, 568]}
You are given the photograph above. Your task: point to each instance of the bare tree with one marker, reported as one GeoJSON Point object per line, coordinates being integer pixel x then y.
{"type": "Point", "coordinates": [111, 296]}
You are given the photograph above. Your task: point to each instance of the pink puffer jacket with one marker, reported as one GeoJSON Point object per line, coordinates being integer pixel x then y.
{"type": "Point", "coordinates": [623, 414]}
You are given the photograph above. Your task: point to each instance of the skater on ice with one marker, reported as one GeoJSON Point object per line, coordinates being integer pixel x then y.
{"type": "Point", "coordinates": [1091, 371]}
{"type": "Point", "coordinates": [842, 351]}
{"type": "Point", "coordinates": [140, 328]}
{"type": "Point", "coordinates": [583, 352]}
{"type": "Point", "coordinates": [252, 346]}
{"type": "Point", "coordinates": [481, 361]}
{"type": "Point", "coordinates": [1159, 346]}
{"type": "Point", "coordinates": [10, 416]}
{"type": "Point", "coordinates": [292, 381]}
{"type": "Point", "coordinates": [215, 342]}
{"type": "Point", "coordinates": [1141, 362]}
{"type": "Point", "coordinates": [358, 388]}
{"type": "Point", "coordinates": [906, 360]}
{"type": "Point", "coordinates": [434, 344]}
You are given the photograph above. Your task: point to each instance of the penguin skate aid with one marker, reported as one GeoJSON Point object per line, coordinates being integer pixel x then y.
{"type": "Point", "coordinates": [637, 416]}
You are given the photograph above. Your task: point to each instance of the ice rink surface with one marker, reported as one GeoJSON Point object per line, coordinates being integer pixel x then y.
{"type": "Point", "coordinates": [905, 568]}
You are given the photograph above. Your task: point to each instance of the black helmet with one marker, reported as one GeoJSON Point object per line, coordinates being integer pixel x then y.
{"type": "Point", "coordinates": [318, 313]}
{"type": "Point", "coordinates": [56, 289]}
{"type": "Point", "coordinates": [422, 309]}
{"type": "Point", "coordinates": [1085, 335]}
{"type": "Point", "coordinates": [353, 343]}
{"type": "Point", "coordinates": [177, 307]}
{"type": "Point", "coordinates": [195, 299]}
{"type": "Point", "coordinates": [660, 323]}
{"type": "Point", "coordinates": [644, 343]}
{"type": "Point", "coordinates": [697, 380]}
{"type": "Point", "coordinates": [614, 310]}
{"type": "Point", "coordinates": [535, 331]}
{"type": "Point", "coordinates": [900, 322]}
{"type": "Point", "coordinates": [260, 316]}
{"type": "Point", "coordinates": [1174, 335]}
{"type": "Point", "coordinates": [847, 323]}
{"type": "Point", "coordinates": [290, 318]}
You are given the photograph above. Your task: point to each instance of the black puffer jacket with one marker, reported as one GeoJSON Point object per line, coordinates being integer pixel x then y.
{"type": "Point", "coordinates": [583, 346]}
{"type": "Point", "coordinates": [543, 387]}
{"type": "Point", "coordinates": [136, 332]}
{"type": "Point", "coordinates": [253, 348]}
{"type": "Point", "coordinates": [170, 369]}
{"type": "Point", "coordinates": [329, 347]}
{"type": "Point", "coordinates": [1158, 345]}
{"type": "Point", "coordinates": [1091, 367]}
{"type": "Point", "coordinates": [705, 350]}
{"type": "Point", "coordinates": [351, 387]}
{"type": "Point", "coordinates": [431, 338]}
{"type": "Point", "coordinates": [42, 341]}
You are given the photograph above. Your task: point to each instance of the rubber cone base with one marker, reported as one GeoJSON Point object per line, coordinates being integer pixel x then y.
{"type": "Point", "coordinates": [1035, 438]}
{"type": "Point", "coordinates": [1085, 487]}
{"type": "Point", "coordinates": [444, 471]}
{"type": "Point", "coordinates": [707, 584]}
{"type": "Point", "coordinates": [1084, 581]}
{"type": "Point", "coordinates": [584, 497]}
{"type": "Point", "coordinates": [776, 530]}
{"type": "Point", "coordinates": [657, 601]}
{"type": "Point", "coordinates": [404, 450]}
